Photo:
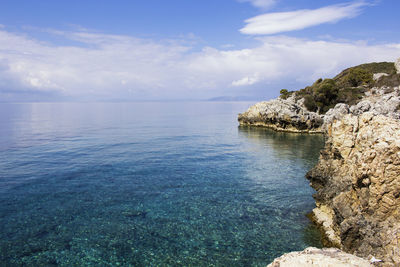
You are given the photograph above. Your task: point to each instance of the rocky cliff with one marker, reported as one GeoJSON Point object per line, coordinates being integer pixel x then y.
{"type": "Point", "coordinates": [357, 178]}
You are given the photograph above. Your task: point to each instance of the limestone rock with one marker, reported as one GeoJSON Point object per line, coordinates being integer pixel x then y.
{"type": "Point", "coordinates": [397, 65]}
{"type": "Point", "coordinates": [377, 76]}
{"type": "Point", "coordinates": [380, 101]}
{"type": "Point", "coordinates": [313, 257]}
{"type": "Point", "coordinates": [357, 180]}
{"type": "Point", "coordinates": [282, 115]}
{"type": "Point", "coordinates": [336, 113]}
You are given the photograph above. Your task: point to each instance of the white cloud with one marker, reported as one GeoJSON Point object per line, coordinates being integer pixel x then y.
{"type": "Point", "coordinates": [272, 23]}
{"type": "Point", "coordinates": [248, 80]}
{"type": "Point", "coordinates": [264, 4]}
{"type": "Point", "coordinates": [105, 66]}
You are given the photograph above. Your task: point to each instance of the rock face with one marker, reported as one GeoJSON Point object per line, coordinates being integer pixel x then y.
{"type": "Point", "coordinates": [282, 115]}
{"type": "Point", "coordinates": [379, 101]}
{"type": "Point", "coordinates": [397, 65]}
{"type": "Point", "coordinates": [313, 257]}
{"type": "Point", "coordinates": [357, 180]}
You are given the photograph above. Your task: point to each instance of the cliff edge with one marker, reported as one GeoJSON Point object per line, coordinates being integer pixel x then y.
{"type": "Point", "coordinates": [357, 180]}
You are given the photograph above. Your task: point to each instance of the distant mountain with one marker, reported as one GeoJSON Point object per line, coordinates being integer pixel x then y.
{"type": "Point", "coordinates": [235, 98]}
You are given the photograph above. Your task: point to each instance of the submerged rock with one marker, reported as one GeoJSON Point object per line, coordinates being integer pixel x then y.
{"type": "Point", "coordinates": [313, 257]}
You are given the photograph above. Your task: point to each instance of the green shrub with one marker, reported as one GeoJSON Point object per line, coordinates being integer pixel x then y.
{"type": "Point", "coordinates": [309, 103]}
{"type": "Point", "coordinates": [381, 67]}
{"type": "Point", "coordinates": [347, 87]}
{"type": "Point", "coordinates": [327, 90]}
{"type": "Point", "coordinates": [358, 76]}
{"type": "Point", "coordinates": [350, 96]}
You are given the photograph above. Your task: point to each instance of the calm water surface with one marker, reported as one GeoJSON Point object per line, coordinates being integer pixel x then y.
{"type": "Point", "coordinates": [150, 184]}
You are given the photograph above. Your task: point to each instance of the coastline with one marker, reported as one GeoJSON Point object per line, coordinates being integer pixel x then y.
{"type": "Point", "coordinates": [279, 129]}
{"type": "Point", "coordinates": [357, 175]}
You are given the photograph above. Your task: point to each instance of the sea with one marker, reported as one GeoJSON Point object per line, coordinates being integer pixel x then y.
{"type": "Point", "coordinates": [150, 184]}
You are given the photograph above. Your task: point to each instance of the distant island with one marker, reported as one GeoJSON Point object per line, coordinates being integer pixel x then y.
{"type": "Point", "coordinates": [357, 177]}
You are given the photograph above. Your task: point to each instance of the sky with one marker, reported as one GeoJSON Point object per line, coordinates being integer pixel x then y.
{"type": "Point", "coordinates": [131, 50]}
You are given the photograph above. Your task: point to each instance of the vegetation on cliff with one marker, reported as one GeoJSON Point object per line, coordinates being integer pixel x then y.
{"type": "Point", "coordinates": [347, 87]}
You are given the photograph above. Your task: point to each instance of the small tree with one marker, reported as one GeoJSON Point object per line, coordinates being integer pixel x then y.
{"type": "Point", "coordinates": [284, 93]}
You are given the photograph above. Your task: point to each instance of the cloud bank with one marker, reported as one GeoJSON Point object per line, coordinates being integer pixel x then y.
{"type": "Point", "coordinates": [101, 66]}
{"type": "Point", "coordinates": [273, 23]}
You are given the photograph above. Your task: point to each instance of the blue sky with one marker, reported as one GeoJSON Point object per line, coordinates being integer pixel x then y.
{"type": "Point", "coordinates": [185, 49]}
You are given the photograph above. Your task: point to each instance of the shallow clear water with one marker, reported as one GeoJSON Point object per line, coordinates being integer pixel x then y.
{"type": "Point", "coordinates": [150, 184]}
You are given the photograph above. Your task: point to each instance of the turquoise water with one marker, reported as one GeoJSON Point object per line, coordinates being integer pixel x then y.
{"type": "Point", "coordinates": [150, 184]}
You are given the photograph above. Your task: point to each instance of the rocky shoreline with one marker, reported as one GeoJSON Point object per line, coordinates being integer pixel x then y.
{"type": "Point", "coordinates": [357, 177]}
{"type": "Point", "coordinates": [287, 115]}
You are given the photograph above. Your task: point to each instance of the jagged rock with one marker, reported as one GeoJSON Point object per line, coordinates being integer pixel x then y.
{"type": "Point", "coordinates": [380, 101]}
{"type": "Point", "coordinates": [357, 180]}
{"type": "Point", "coordinates": [282, 115]}
{"type": "Point", "coordinates": [397, 65]}
{"type": "Point", "coordinates": [336, 113]}
{"type": "Point", "coordinates": [313, 257]}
